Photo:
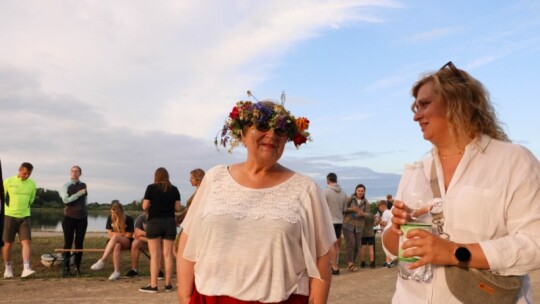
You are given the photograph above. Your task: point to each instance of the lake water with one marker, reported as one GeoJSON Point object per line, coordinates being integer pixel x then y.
{"type": "Point", "coordinates": [51, 219]}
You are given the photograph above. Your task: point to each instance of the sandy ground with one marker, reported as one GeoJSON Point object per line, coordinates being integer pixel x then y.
{"type": "Point", "coordinates": [365, 286]}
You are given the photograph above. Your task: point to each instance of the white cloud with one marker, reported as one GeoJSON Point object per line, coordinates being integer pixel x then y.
{"type": "Point", "coordinates": [160, 66]}
{"type": "Point", "coordinates": [121, 88]}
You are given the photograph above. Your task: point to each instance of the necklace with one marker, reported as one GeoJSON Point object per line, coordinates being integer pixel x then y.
{"type": "Point", "coordinates": [453, 154]}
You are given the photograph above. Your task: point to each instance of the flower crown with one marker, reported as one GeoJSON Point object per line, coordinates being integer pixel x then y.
{"type": "Point", "coordinates": [275, 116]}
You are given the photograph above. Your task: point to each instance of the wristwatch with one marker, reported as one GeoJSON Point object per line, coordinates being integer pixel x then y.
{"type": "Point", "coordinates": [463, 255]}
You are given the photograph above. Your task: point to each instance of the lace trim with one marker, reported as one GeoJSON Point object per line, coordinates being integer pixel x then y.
{"type": "Point", "coordinates": [281, 202]}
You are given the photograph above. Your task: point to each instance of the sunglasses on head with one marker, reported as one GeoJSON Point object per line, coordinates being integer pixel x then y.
{"type": "Point", "coordinates": [265, 127]}
{"type": "Point", "coordinates": [454, 70]}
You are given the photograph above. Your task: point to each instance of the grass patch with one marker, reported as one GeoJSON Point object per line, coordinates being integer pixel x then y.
{"type": "Point", "coordinates": [47, 244]}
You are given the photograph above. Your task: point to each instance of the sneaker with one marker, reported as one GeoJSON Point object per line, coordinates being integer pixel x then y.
{"type": "Point", "coordinates": [372, 264]}
{"type": "Point", "coordinates": [114, 276]}
{"type": "Point", "coordinates": [160, 275]}
{"type": "Point", "coordinates": [362, 264]}
{"type": "Point", "coordinates": [148, 289]}
{"type": "Point", "coordinates": [27, 272]}
{"type": "Point", "coordinates": [98, 265]}
{"type": "Point", "coordinates": [8, 273]}
{"type": "Point", "coordinates": [132, 273]}
{"type": "Point", "coordinates": [335, 271]}
{"type": "Point", "coordinates": [169, 288]}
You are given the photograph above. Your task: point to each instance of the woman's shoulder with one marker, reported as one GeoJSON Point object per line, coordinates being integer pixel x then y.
{"type": "Point", "coordinates": [302, 177]}
{"type": "Point", "coordinates": [302, 180]}
{"type": "Point", "coordinates": [510, 150]}
{"type": "Point", "coordinates": [216, 170]}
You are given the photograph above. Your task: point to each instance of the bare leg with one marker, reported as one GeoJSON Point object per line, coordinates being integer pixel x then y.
{"type": "Point", "coordinates": [26, 249]}
{"type": "Point", "coordinates": [116, 256]}
{"type": "Point", "coordinates": [109, 247]}
{"type": "Point", "coordinates": [122, 243]}
{"type": "Point", "coordinates": [6, 252]}
{"type": "Point", "coordinates": [135, 253]}
{"type": "Point", "coordinates": [363, 253]}
{"type": "Point", "coordinates": [338, 243]}
{"type": "Point", "coordinates": [334, 255]}
{"type": "Point", "coordinates": [168, 257]}
{"type": "Point", "coordinates": [154, 246]}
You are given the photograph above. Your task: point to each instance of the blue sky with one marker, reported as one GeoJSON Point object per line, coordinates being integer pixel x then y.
{"type": "Point", "coordinates": [121, 88]}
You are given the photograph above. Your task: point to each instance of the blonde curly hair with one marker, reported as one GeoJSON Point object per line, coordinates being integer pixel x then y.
{"type": "Point", "coordinates": [469, 108]}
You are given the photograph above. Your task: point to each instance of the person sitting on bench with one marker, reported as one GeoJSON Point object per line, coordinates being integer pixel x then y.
{"type": "Point", "coordinates": [120, 229]}
{"type": "Point", "coordinates": [139, 243]}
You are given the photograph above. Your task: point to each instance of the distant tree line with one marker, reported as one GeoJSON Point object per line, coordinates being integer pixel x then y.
{"type": "Point", "coordinates": [51, 199]}
{"type": "Point", "coordinates": [46, 198]}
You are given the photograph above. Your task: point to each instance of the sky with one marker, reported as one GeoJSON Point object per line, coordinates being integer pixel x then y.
{"type": "Point", "coordinates": [121, 88]}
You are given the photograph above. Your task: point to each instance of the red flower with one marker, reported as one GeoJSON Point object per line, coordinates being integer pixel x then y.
{"type": "Point", "coordinates": [234, 113]}
{"type": "Point", "coordinates": [299, 139]}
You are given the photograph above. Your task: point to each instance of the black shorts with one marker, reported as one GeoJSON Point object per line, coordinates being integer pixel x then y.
{"type": "Point", "coordinates": [164, 228]}
{"type": "Point", "coordinates": [338, 228]}
{"type": "Point", "coordinates": [370, 240]}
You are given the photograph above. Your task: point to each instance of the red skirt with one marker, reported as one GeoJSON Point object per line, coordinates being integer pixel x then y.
{"type": "Point", "coordinates": [197, 298]}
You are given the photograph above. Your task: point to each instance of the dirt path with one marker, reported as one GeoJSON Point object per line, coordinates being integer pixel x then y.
{"type": "Point", "coordinates": [372, 286]}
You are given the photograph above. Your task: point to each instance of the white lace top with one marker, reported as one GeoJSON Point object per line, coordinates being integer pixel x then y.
{"type": "Point", "coordinates": [256, 244]}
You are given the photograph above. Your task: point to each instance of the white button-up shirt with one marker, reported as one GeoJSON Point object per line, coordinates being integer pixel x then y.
{"type": "Point", "coordinates": [493, 199]}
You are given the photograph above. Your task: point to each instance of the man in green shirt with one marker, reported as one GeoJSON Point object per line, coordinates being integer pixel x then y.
{"type": "Point", "coordinates": [20, 192]}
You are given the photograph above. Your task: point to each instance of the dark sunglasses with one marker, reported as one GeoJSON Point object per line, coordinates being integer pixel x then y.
{"type": "Point", "coordinates": [264, 127]}
{"type": "Point", "coordinates": [454, 70]}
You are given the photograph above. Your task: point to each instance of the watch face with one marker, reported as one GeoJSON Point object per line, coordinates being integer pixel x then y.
{"type": "Point", "coordinates": [463, 254]}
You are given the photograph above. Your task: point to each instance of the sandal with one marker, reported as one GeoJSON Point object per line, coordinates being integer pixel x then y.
{"type": "Point", "coordinates": [353, 268]}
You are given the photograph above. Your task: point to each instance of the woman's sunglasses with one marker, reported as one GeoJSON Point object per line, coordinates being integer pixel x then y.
{"type": "Point", "coordinates": [454, 70]}
{"type": "Point", "coordinates": [265, 127]}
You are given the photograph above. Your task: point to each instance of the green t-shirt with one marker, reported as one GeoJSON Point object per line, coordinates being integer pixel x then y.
{"type": "Point", "coordinates": [19, 196]}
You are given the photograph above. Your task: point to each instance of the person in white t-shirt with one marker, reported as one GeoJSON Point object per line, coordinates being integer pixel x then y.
{"type": "Point", "coordinates": [256, 230]}
{"type": "Point", "coordinates": [386, 215]}
{"type": "Point", "coordinates": [489, 189]}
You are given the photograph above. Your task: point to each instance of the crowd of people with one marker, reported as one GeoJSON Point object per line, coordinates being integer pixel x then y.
{"type": "Point", "coordinates": [354, 218]}
{"type": "Point", "coordinates": [259, 232]}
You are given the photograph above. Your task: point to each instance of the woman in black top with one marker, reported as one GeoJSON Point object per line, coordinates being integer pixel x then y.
{"type": "Point", "coordinates": [161, 200]}
{"type": "Point", "coordinates": [120, 229]}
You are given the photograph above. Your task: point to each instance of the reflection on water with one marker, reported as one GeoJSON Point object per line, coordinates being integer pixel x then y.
{"type": "Point", "coordinates": [51, 220]}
